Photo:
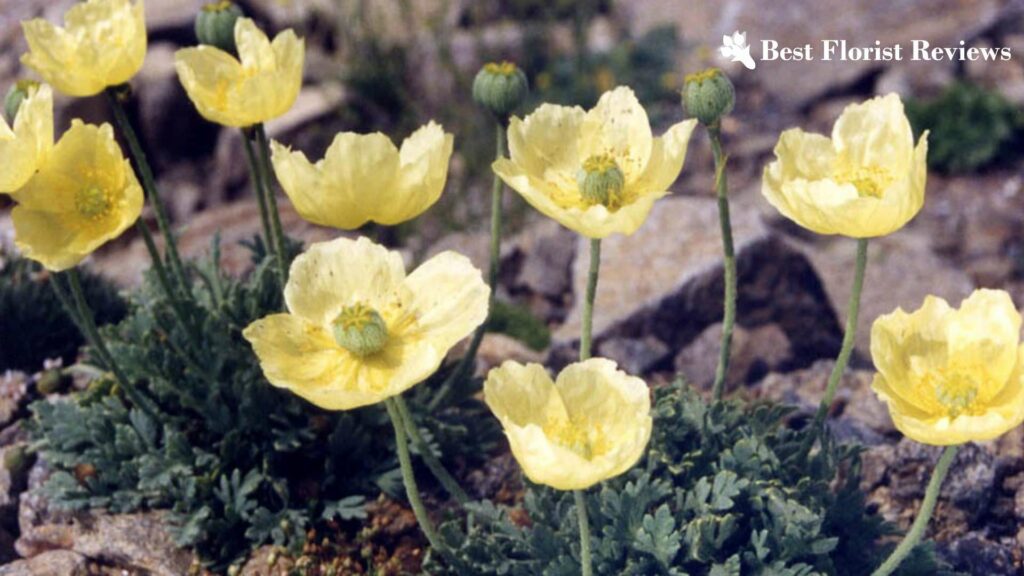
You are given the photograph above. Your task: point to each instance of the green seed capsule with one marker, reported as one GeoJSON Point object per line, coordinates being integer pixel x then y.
{"type": "Point", "coordinates": [500, 88]}
{"type": "Point", "coordinates": [215, 25]}
{"type": "Point", "coordinates": [708, 96]}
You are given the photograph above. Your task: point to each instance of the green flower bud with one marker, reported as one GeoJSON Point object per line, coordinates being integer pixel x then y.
{"type": "Point", "coordinates": [16, 460]}
{"type": "Point", "coordinates": [601, 181]}
{"type": "Point", "coordinates": [15, 96]}
{"type": "Point", "coordinates": [360, 330]}
{"type": "Point", "coordinates": [708, 96]}
{"type": "Point", "coordinates": [50, 381]}
{"type": "Point", "coordinates": [500, 88]}
{"type": "Point", "coordinates": [215, 24]}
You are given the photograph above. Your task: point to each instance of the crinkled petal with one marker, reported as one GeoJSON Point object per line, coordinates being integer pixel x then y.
{"type": "Point", "coordinates": [207, 74]}
{"type": "Point", "coordinates": [875, 132]}
{"type": "Point", "coordinates": [618, 126]}
{"type": "Point", "coordinates": [424, 160]}
{"type": "Point", "coordinates": [545, 144]}
{"type": "Point", "coordinates": [667, 156]}
{"type": "Point", "coordinates": [342, 272]}
{"type": "Point", "coordinates": [449, 300]}
{"type": "Point", "coordinates": [26, 147]}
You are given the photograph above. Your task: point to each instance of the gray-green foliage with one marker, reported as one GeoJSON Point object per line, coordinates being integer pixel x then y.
{"type": "Point", "coordinates": [238, 462]}
{"type": "Point", "coordinates": [722, 492]}
{"type": "Point", "coordinates": [970, 128]}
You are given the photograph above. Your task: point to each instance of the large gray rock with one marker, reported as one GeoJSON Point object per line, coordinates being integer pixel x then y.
{"type": "Point", "coordinates": [666, 282]}
{"type": "Point", "coordinates": [52, 563]}
{"type": "Point", "coordinates": [132, 541]}
{"type": "Point", "coordinates": [902, 269]}
{"type": "Point", "coordinates": [800, 22]}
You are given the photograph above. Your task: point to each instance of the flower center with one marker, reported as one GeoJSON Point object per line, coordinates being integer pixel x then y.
{"type": "Point", "coordinates": [581, 437]}
{"type": "Point", "coordinates": [868, 180]}
{"type": "Point", "coordinates": [360, 330]}
{"type": "Point", "coordinates": [601, 181]}
{"type": "Point", "coordinates": [957, 393]}
{"type": "Point", "coordinates": [93, 202]}
{"type": "Point", "coordinates": [504, 68]}
{"type": "Point", "coordinates": [219, 6]}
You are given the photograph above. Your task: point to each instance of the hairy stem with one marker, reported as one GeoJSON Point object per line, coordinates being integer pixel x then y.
{"type": "Point", "coordinates": [588, 303]}
{"type": "Point", "coordinates": [433, 464]}
{"type": "Point", "coordinates": [920, 524]}
{"type": "Point", "coordinates": [586, 564]}
{"type": "Point", "coordinates": [729, 299]}
{"type": "Point", "coordinates": [275, 215]}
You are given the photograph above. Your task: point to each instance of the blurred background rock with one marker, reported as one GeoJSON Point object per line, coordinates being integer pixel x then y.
{"type": "Point", "coordinates": [390, 65]}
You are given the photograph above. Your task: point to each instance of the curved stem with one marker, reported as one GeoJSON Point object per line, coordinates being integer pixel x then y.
{"type": "Point", "coordinates": [586, 564]}
{"type": "Point", "coordinates": [258, 189]}
{"type": "Point", "coordinates": [149, 185]}
{"type": "Point", "coordinates": [95, 339]}
{"type": "Point", "coordinates": [849, 335]}
{"type": "Point", "coordinates": [275, 215]}
{"type": "Point", "coordinates": [469, 358]}
{"type": "Point", "coordinates": [588, 303]}
{"type": "Point", "coordinates": [729, 316]}
{"type": "Point", "coordinates": [165, 283]}
{"type": "Point", "coordinates": [920, 525]}
{"type": "Point", "coordinates": [433, 464]}
{"type": "Point", "coordinates": [411, 490]}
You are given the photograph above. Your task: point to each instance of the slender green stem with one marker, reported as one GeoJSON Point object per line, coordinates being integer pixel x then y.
{"type": "Point", "coordinates": [165, 282]}
{"type": "Point", "coordinates": [917, 530]}
{"type": "Point", "coordinates": [275, 215]}
{"type": "Point", "coordinates": [149, 185]}
{"type": "Point", "coordinates": [729, 316]}
{"type": "Point", "coordinates": [849, 335]}
{"type": "Point", "coordinates": [411, 490]}
{"type": "Point", "coordinates": [258, 189]}
{"type": "Point", "coordinates": [586, 564]}
{"type": "Point", "coordinates": [469, 358]}
{"type": "Point", "coordinates": [95, 339]}
{"type": "Point", "coordinates": [588, 303]}
{"type": "Point", "coordinates": [433, 464]}
{"type": "Point", "coordinates": [67, 303]}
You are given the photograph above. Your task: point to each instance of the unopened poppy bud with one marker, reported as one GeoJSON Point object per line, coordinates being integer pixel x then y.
{"type": "Point", "coordinates": [215, 24]}
{"type": "Point", "coordinates": [15, 96]}
{"type": "Point", "coordinates": [708, 96]}
{"type": "Point", "coordinates": [500, 88]}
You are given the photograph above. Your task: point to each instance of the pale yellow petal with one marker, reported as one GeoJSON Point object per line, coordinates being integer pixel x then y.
{"type": "Point", "coordinates": [875, 132]}
{"type": "Point", "coordinates": [45, 237]}
{"type": "Point", "coordinates": [363, 167]}
{"type": "Point", "coordinates": [545, 144]}
{"type": "Point", "coordinates": [53, 54]}
{"type": "Point", "coordinates": [25, 147]}
{"type": "Point", "coordinates": [207, 74]}
{"type": "Point", "coordinates": [985, 332]}
{"type": "Point", "coordinates": [668, 153]}
{"type": "Point", "coordinates": [314, 196]}
{"type": "Point", "coordinates": [545, 462]}
{"type": "Point", "coordinates": [618, 126]}
{"type": "Point", "coordinates": [421, 178]}
{"type": "Point", "coordinates": [449, 300]}
{"type": "Point", "coordinates": [339, 273]}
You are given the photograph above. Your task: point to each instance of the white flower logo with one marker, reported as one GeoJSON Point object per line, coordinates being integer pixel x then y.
{"type": "Point", "coordinates": [735, 47]}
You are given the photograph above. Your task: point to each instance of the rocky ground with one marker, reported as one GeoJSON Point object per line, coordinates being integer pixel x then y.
{"type": "Point", "coordinates": [659, 300]}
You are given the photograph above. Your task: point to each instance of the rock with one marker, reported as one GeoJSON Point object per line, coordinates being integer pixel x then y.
{"type": "Point", "coordinates": [14, 394]}
{"type": "Point", "coordinates": [897, 477]}
{"type": "Point", "coordinates": [666, 280]}
{"type": "Point", "coordinates": [901, 271]}
{"type": "Point", "coordinates": [925, 79]}
{"type": "Point", "coordinates": [1003, 76]}
{"type": "Point", "coordinates": [542, 258]}
{"type": "Point", "coordinates": [976, 554]}
{"type": "Point", "coordinates": [754, 353]}
{"type": "Point", "coordinates": [635, 356]}
{"type": "Point", "coordinates": [859, 22]}
{"type": "Point", "coordinates": [52, 563]}
{"type": "Point", "coordinates": [497, 348]}
{"type": "Point", "coordinates": [235, 222]}
{"type": "Point", "coordinates": [132, 541]}
{"type": "Point", "coordinates": [1018, 503]}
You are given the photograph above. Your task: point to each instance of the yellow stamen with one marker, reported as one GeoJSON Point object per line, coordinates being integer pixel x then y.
{"type": "Point", "coordinates": [93, 202]}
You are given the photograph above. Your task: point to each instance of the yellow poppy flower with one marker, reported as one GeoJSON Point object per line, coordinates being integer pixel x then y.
{"type": "Point", "coordinates": [364, 177]}
{"type": "Point", "coordinates": [952, 376]}
{"type": "Point", "coordinates": [102, 43]}
{"type": "Point", "coordinates": [591, 424]}
{"type": "Point", "coordinates": [597, 172]}
{"type": "Point", "coordinates": [25, 144]}
{"type": "Point", "coordinates": [84, 195]}
{"type": "Point", "coordinates": [359, 330]}
{"type": "Point", "coordinates": [260, 85]}
{"type": "Point", "coordinates": [867, 180]}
